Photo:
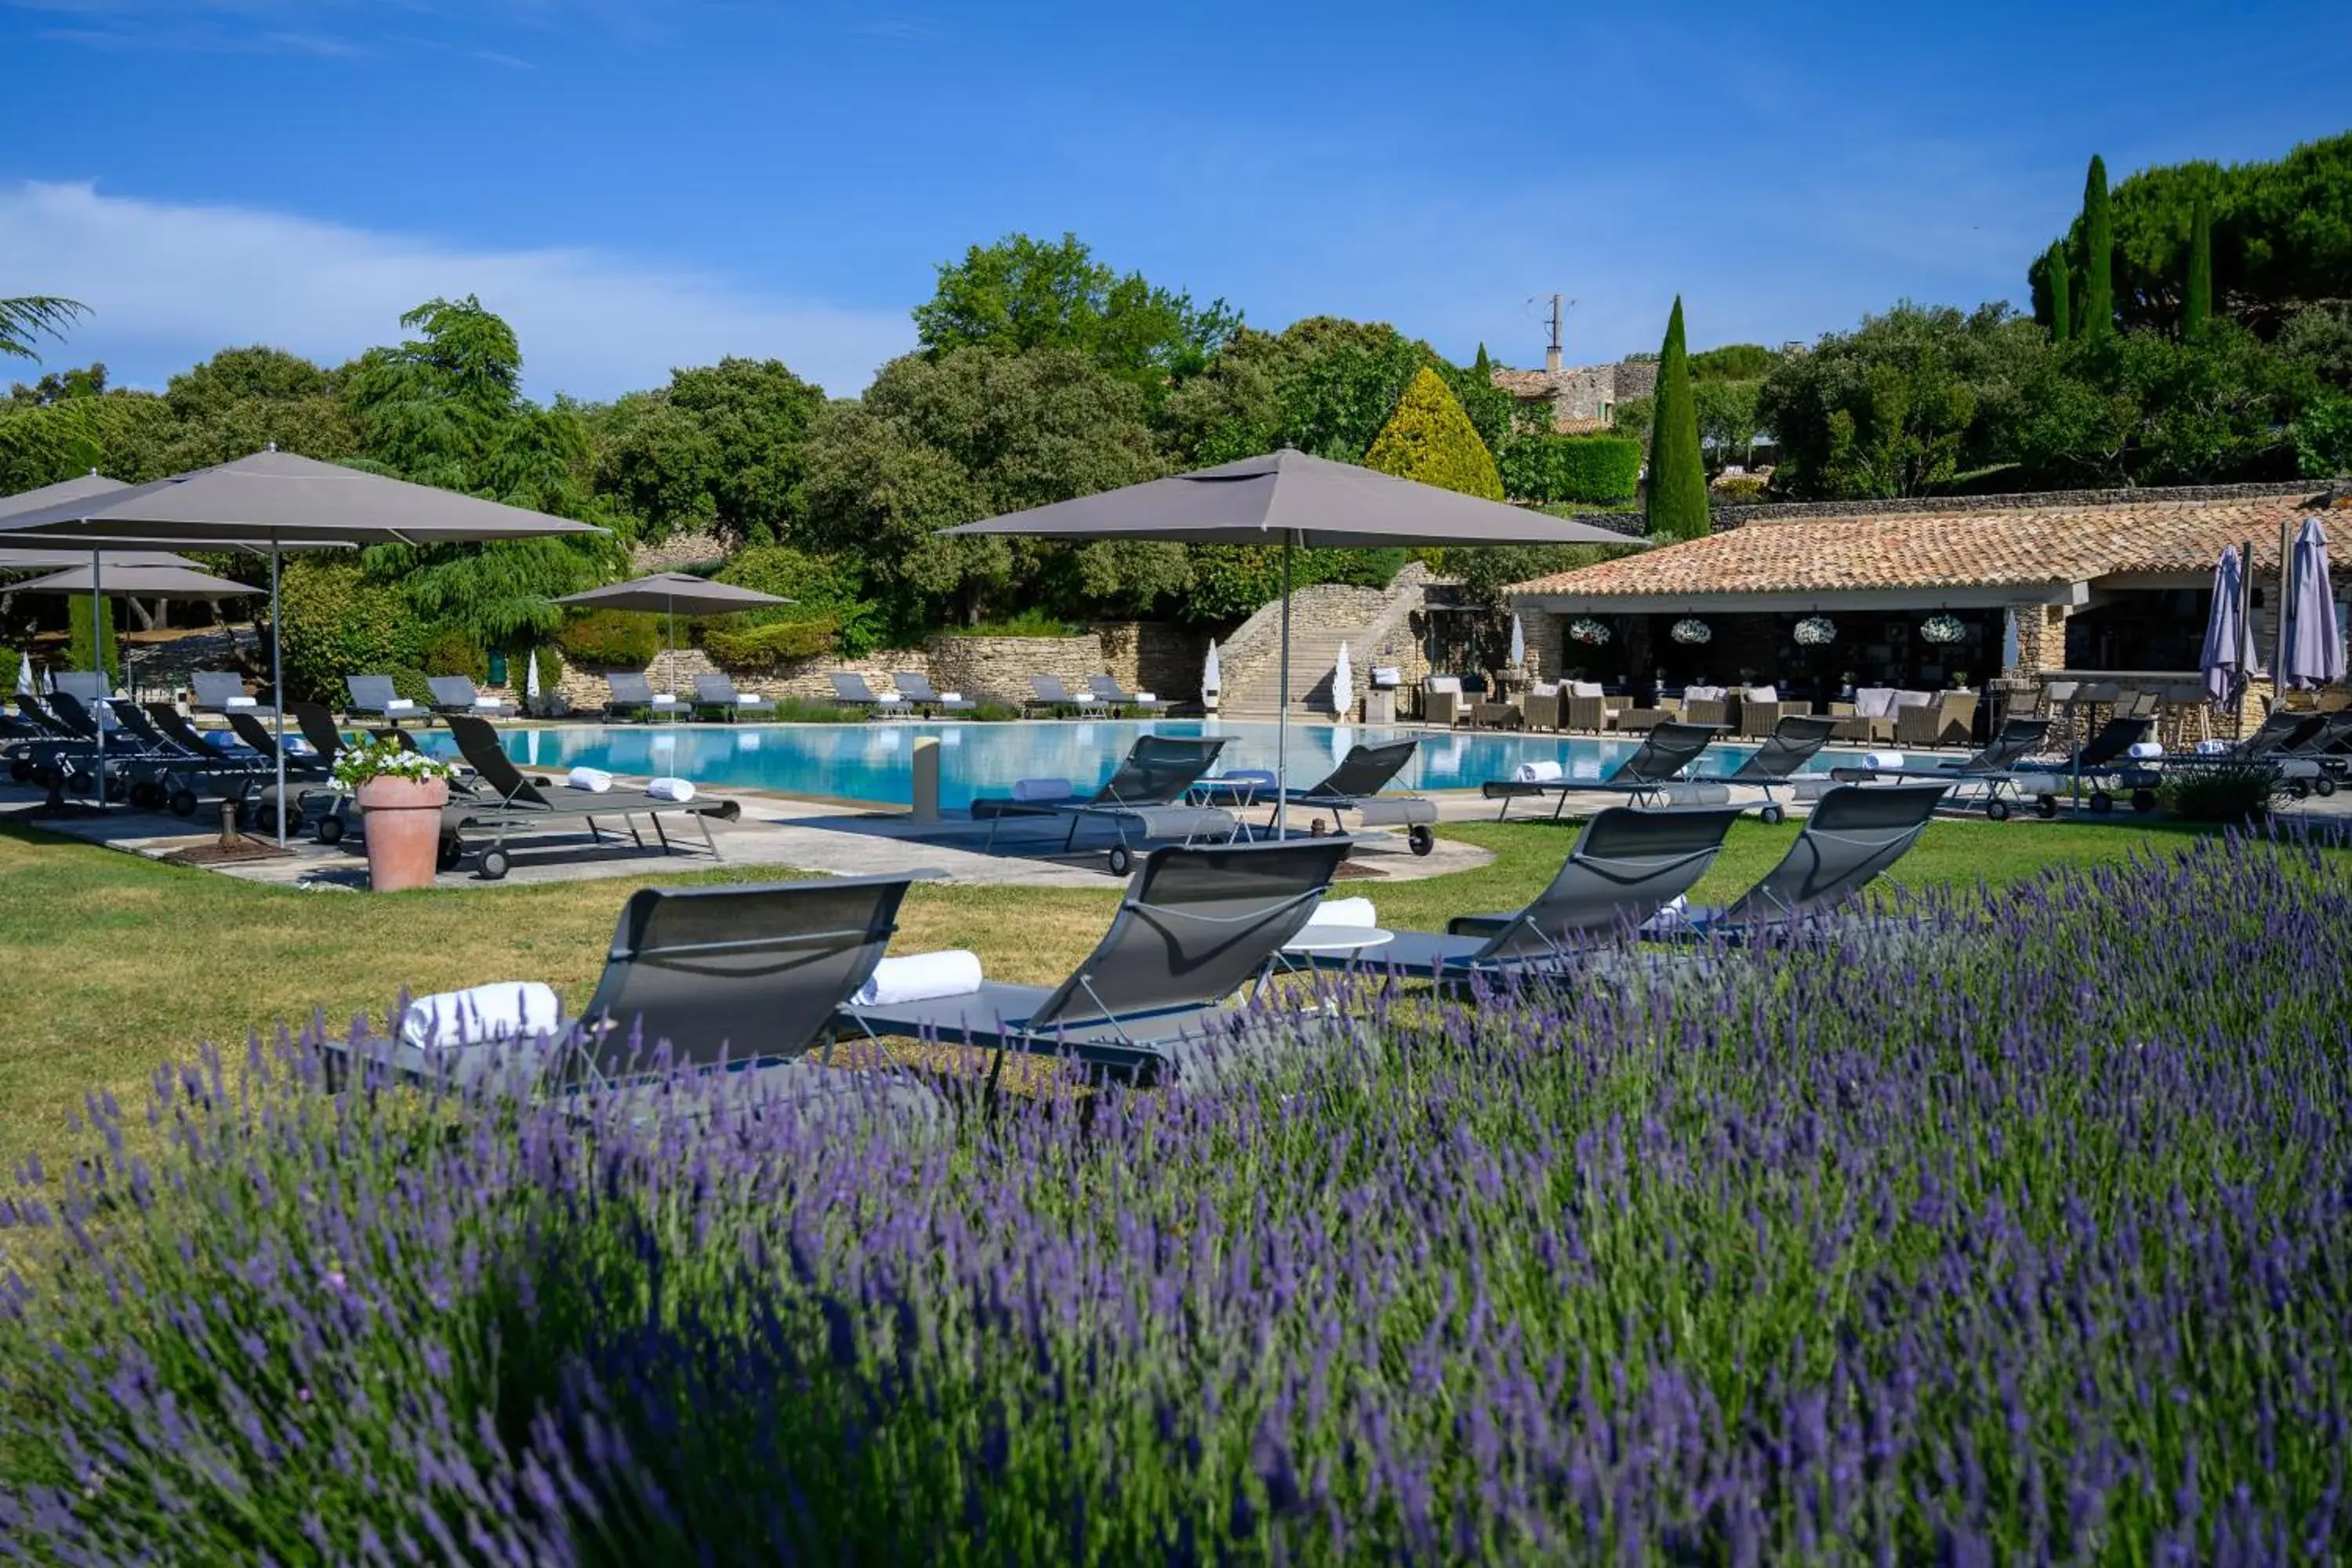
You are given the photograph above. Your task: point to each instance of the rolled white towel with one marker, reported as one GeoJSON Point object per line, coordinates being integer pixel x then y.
{"type": "Point", "coordinates": [400, 705]}
{"type": "Point", "coordinates": [889, 698]}
{"type": "Point", "coordinates": [1042, 789]}
{"type": "Point", "coordinates": [950, 695]}
{"type": "Point", "coordinates": [242, 703]}
{"type": "Point", "coordinates": [677, 792]}
{"type": "Point", "coordinates": [2214, 747]}
{"type": "Point", "coordinates": [1543, 772]}
{"type": "Point", "coordinates": [1882, 762]}
{"type": "Point", "coordinates": [595, 781]}
{"type": "Point", "coordinates": [508, 1010]}
{"type": "Point", "coordinates": [1675, 912]}
{"type": "Point", "coordinates": [1355, 914]}
{"type": "Point", "coordinates": [2143, 750]}
{"type": "Point", "coordinates": [1146, 697]}
{"type": "Point", "coordinates": [664, 699]}
{"type": "Point", "coordinates": [489, 704]}
{"type": "Point", "coordinates": [919, 977]}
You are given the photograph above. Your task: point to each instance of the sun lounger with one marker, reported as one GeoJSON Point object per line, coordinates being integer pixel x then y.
{"type": "Point", "coordinates": [455, 694]}
{"type": "Point", "coordinates": [852, 690]}
{"type": "Point", "coordinates": [716, 693]}
{"type": "Point", "coordinates": [1146, 792]}
{"type": "Point", "coordinates": [1110, 691]}
{"type": "Point", "coordinates": [737, 980]}
{"type": "Point", "coordinates": [1197, 924]}
{"type": "Point", "coordinates": [219, 691]}
{"type": "Point", "coordinates": [1625, 866]}
{"type": "Point", "coordinates": [1779, 763]}
{"type": "Point", "coordinates": [373, 697]}
{"type": "Point", "coordinates": [235, 773]}
{"type": "Point", "coordinates": [1854, 833]}
{"type": "Point", "coordinates": [1047, 691]}
{"type": "Point", "coordinates": [633, 693]}
{"type": "Point", "coordinates": [1355, 785]}
{"type": "Point", "coordinates": [916, 688]}
{"type": "Point", "coordinates": [510, 806]}
{"type": "Point", "coordinates": [1989, 772]}
{"type": "Point", "coordinates": [1653, 774]}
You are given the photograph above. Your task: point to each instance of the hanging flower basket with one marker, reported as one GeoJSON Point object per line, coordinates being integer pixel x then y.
{"type": "Point", "coordinates": [1816, 631]}
{"type": "Point", "coordinates": [1691, 630]}
{"type": "Point", "coordinates": [1942, 629]}
{"type": "Point", "coordinates": [1587, 630]}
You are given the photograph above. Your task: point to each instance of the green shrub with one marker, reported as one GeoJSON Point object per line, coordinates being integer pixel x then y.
{"type": "Point", "coordinates": [1429, 439]}
{"type": "Point", "coordinates": [410, 683]}
{"type": "Point", "coordinates": [1552, 469]}
{"type": "Point", "coordinates": [1738, 489]}
{"type": "Point", "coordinates": [1231, 581]}
{"type": "Point", "coordinates": [1028, 624]}
{"type": "Point", "coordinates": [77, 652]}
{"type": "Point", "coordinates": [2228, 792]}
{"type": "Point", "coordinates": [339, 622]}
{"type": "Point", "coordinates": [450, 651]}
{"type": "Point", "coordinates": [828, 589]}
{"type": "Point", "coordinates": [766, 646]}
{"type": "Point", "coordinates": [611, 639]}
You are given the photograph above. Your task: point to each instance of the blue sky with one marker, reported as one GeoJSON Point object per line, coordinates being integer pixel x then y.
{"type": "Point", "coordinates": [638, 185]}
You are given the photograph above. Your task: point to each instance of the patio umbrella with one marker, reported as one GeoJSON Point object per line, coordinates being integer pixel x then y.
{"type": "Point", "coordinates": [530, 684]}
{"type": "Point", "coordinates": [1518, 642]}
{"type": "Point", "coordinates": [268, 503]}
{"type": "Point", "coordinates": [1343, 686]}
{"type": "Point", "coordinates": [1304, 503]}
{"type": "Point", "coordinates": [1213, 675]}
{"type": "Point", "coordinates": [672, 594]}
{"type": "Point", "coordinates": [138, 582]}
{"type": "Point", "coordinates": [2312, 651]}
{"type": "Point", "coordinates": [2221, 659]}
{"type": "Point", "coordinates": [24, 675]}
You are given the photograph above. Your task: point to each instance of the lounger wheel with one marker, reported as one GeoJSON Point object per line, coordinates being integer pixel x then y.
{"type": "Point", "coordinates": [1420, 839]}
{"type": "Point", "coordinates": [147, 795]}
{"type": "Point", "coordinates": [494, 864]}
{"type": "Point", "coordinates": [446, 856]}
{"type": "Point", "coordinates": [331, 829]}
{"type": "Point", "coordinates": [1774, 814]}
{"type": "Point", "coordinates": [2300, 789]}
{"type": "Point", "coordinates": [2143, 800]}
{"type": "Point", "coordinates": [1122, 860]}
{"type": "Point", "coordinates": [183, 803]}
{"type": "Point", "coordinates": [1997, 811]}
{"type": "Point", "coordinates": [2045, 806]}
{"type": "Point", "coordinates": [2323, 787]}
{"type": "Point", "coordinates": [2102, 803]}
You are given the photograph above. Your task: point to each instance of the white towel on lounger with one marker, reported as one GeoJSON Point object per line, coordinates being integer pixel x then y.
{"type": "Point", "coordinates": [595, 781]}
{"type": "Point", "coordinates": [2143, 750]}
{"type": "Point", "coordinates": [1543, 772]}
{"type": "Point", "coordinates": [1882, 762]}
{"type": "Point", "coordinates": [675, 791]}
{"type": "Point", "coordinates": [508, 1010]}
{"type": "Point", "coordinates": [919, 977]}
{"type": "Point", "coordinates": [1042, 789]}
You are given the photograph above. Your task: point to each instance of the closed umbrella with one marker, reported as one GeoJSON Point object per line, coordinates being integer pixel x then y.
{"type": "Point", "coordinates": [674, 593]}
{"type": "Point", "coordinates": [24, 675]}
{"type": "Point", "coordinates": [1518, 642]}
{"type": "Point", "coordinates": [1212, 680]}
{"type": "Point", "coordinates": [531, 683]}
{"type": "Point", "coordinates": [2313, 647]}
{"type": "Point", "coordinates": [1301, 502]}
{"type": "Point", "coordinates": [1343, 686]}
{"type": "Point", "coordinates": [2221, 659]}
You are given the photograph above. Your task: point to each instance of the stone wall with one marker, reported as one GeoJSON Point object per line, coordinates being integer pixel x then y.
{"type": "Point", "coordinates": [998, 669]}
{"type": "Point", "coordinates": [806, 679]}
{"type": "Point", "coordinates": [678, 553]}
{"type": "Point", "coordinates": [1158, 656]}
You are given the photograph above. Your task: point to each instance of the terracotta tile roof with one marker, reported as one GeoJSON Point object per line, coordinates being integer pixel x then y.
{"type": "Point", "coordinates": [2016, 546]}
{"type": "Point", "coordinates": [1566, 426]}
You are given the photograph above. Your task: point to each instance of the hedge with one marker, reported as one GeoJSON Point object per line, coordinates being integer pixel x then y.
{"type": "Point", "coordinates": [611, 639]}
{"type": "Point", "coordinates": [337, 622]}
{"type": "Point", "coordinates": [1551, 468]}
{"type": "Point", "coordinates": [766, 646]}
{"type": "Point", "coordinates": [77, 651]}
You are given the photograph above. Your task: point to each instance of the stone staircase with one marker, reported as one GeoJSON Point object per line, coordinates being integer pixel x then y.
{"type": "Point", "coordinates": [1373, 622]}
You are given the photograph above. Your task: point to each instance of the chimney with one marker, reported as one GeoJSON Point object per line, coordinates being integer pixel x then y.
{"type": "Point", "coordinates": [1551, 358]}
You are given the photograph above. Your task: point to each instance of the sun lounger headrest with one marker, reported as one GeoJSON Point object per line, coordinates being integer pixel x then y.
{"type": "Point", "coordinates": [921, 977]}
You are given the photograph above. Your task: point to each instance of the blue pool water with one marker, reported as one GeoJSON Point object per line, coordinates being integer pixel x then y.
{"type": "Point", "coordinates": [872, 762]}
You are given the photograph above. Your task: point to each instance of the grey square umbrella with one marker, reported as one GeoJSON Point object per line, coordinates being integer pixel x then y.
{"type": "Point", "coordinates": [1302, 503]}
{"type": "Point", "coordinates": [674, 593]}
{"type": "Point", "coordinates": [271, 503]}
{"type": "Point", "coordinates": [136, 581]}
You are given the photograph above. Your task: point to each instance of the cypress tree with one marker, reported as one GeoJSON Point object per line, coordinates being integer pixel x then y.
{"type": "Point", "coordinates": [1676, 505]}
{"type": "Point", "coordinates": [2061, 311]}
{"type": "Point", "coordinates": [1430, 438]}
{"type": "Point", "coordinates": [2199, 309]}
{"type": "Point", "coordinates": [2099, 254]}
{"type": "Point", "coordinates": [1482, 364]}
{"type": "Point", "coordinates": [78, 649]}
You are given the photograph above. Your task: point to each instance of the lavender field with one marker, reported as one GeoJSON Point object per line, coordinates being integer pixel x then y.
{"type": "Point", "coordinates": [2020, 1230]}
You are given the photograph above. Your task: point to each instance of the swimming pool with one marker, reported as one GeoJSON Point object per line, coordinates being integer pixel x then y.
{"type": "Point", "coordinates": [874, 762]}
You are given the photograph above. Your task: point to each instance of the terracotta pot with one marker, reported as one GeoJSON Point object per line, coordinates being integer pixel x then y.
{"type": "Point", "coordinates": [403, 830]}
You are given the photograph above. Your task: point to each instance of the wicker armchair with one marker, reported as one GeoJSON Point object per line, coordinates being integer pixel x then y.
{"type": "Point", "coordinates": [1705, 705]}
{"type": "Point", "coordinates": [1441, 701]}
{"type": "Point", "coordinates": [1946, 721]}
{"type": "Point", "coordinates": [1590, 709]}
{"type": "Point", "coordinates": [1761, 710]}
{"type": "Point", "coordinates": [1540, 708]}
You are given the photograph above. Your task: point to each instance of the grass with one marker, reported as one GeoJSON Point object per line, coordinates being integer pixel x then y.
{"type": "Point", "coordinates": [118, 963]}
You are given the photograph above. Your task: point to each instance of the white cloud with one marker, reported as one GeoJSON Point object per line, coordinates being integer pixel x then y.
{"type": "Point", "coordinates": [169, 284]}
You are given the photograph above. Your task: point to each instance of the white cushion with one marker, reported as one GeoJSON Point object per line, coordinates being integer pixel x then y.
{"type": "Point", "coordinates": [1875, 701]}
{"type": "Point", "coordinates": [1446, 685]}
{"type": "Point", "coordinates": [1763, 694]}
{"type": "Point", "coordinates": [1584, 689]}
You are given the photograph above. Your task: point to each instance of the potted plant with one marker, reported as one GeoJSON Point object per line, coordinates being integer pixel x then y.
{"type": "Point", "coordinates": [400, 796]}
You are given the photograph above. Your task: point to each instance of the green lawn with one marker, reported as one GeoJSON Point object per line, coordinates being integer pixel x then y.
{"type": "Point", "coordinates": [116, 964]}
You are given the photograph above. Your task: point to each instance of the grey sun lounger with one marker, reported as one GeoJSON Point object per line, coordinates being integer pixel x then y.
{"type": "Point", "coordinates": [852, 690]}
{"type": "Point", "coordinates": [1990, 772]}
{"type": "Point", "coordinates": [715, 692]}
{"type": "Point", "coordinates": [456, 694]}
{"type": "Point", "coordinates": [506, 804]}
{"type": "Point", "coordinates": [1854, 833]}
{"type": "Point", "coordinates": [1108, 688]}
{"type": "Point", "coordinates": [1625, 866]}
{"type": "Point", "coordinates": [728, 979]}
{"type": "Point", "coordinates": [373, 697]}
{"type": "Point", "coordinates": [1779, 763]}
{"type": "Point", "coordinates": [1197, 925]}
{"type": "Point", "coordinates": [1147, 792]}
{"type": "Point", "coordinates": [1354, 785]}
{"type": "Point", "coordinates": [633, 693]}
{"type": "Point", "coordinates": [219, 691]}
{"type": "Point", "coordinates": [916, 688]}
{"type": "Point", "coordinates": [1653, 774]}
{"type": "Point", "coordinates": [1047, 691]}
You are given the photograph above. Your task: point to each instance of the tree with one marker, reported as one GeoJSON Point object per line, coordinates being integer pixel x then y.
{"type": "Point", "coordinates": [1677, 505]}
{"type": "Point", "coordinates": [1023, 293]}
{"type": "Point", "coordinates": [242, 400]}
{"type": "Point", "coordinates": [719, 446]}
{"type": "Point", "coordinates": [2099, 254]}
{"type": "Point", "coordinates": [26, 319]}
{"type": "Point", "coordinates": [1430, 439]}
{"type": "Point", "coordinates": [2199, 309]}
{"type": "Point", "coordinates": [2148, 408]}
{"type": "Point", "coordinates": [972, 433]}
{"type": "Point", "coordinates": [1727, 424]}
{"type": "Point", "coordinates": [2323, 437]}
{"type": "Point", "coordinates": [1732, 362]}
{"type": "Point", "coordinates": [2061, 313]}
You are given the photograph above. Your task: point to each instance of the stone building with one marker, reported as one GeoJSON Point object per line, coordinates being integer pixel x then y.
{"type": "Point", "coordinates": [1583, 398]}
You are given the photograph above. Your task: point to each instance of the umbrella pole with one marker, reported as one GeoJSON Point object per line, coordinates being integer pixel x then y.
{"type": "Point", "coordinates": [278, 688]}
{"type": "Point", "coordinates": [1282, 714]}
{"type": "Point", "coordinates": [98, 664]}
{"type": "Point", "coordinates": [2285, 606]}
